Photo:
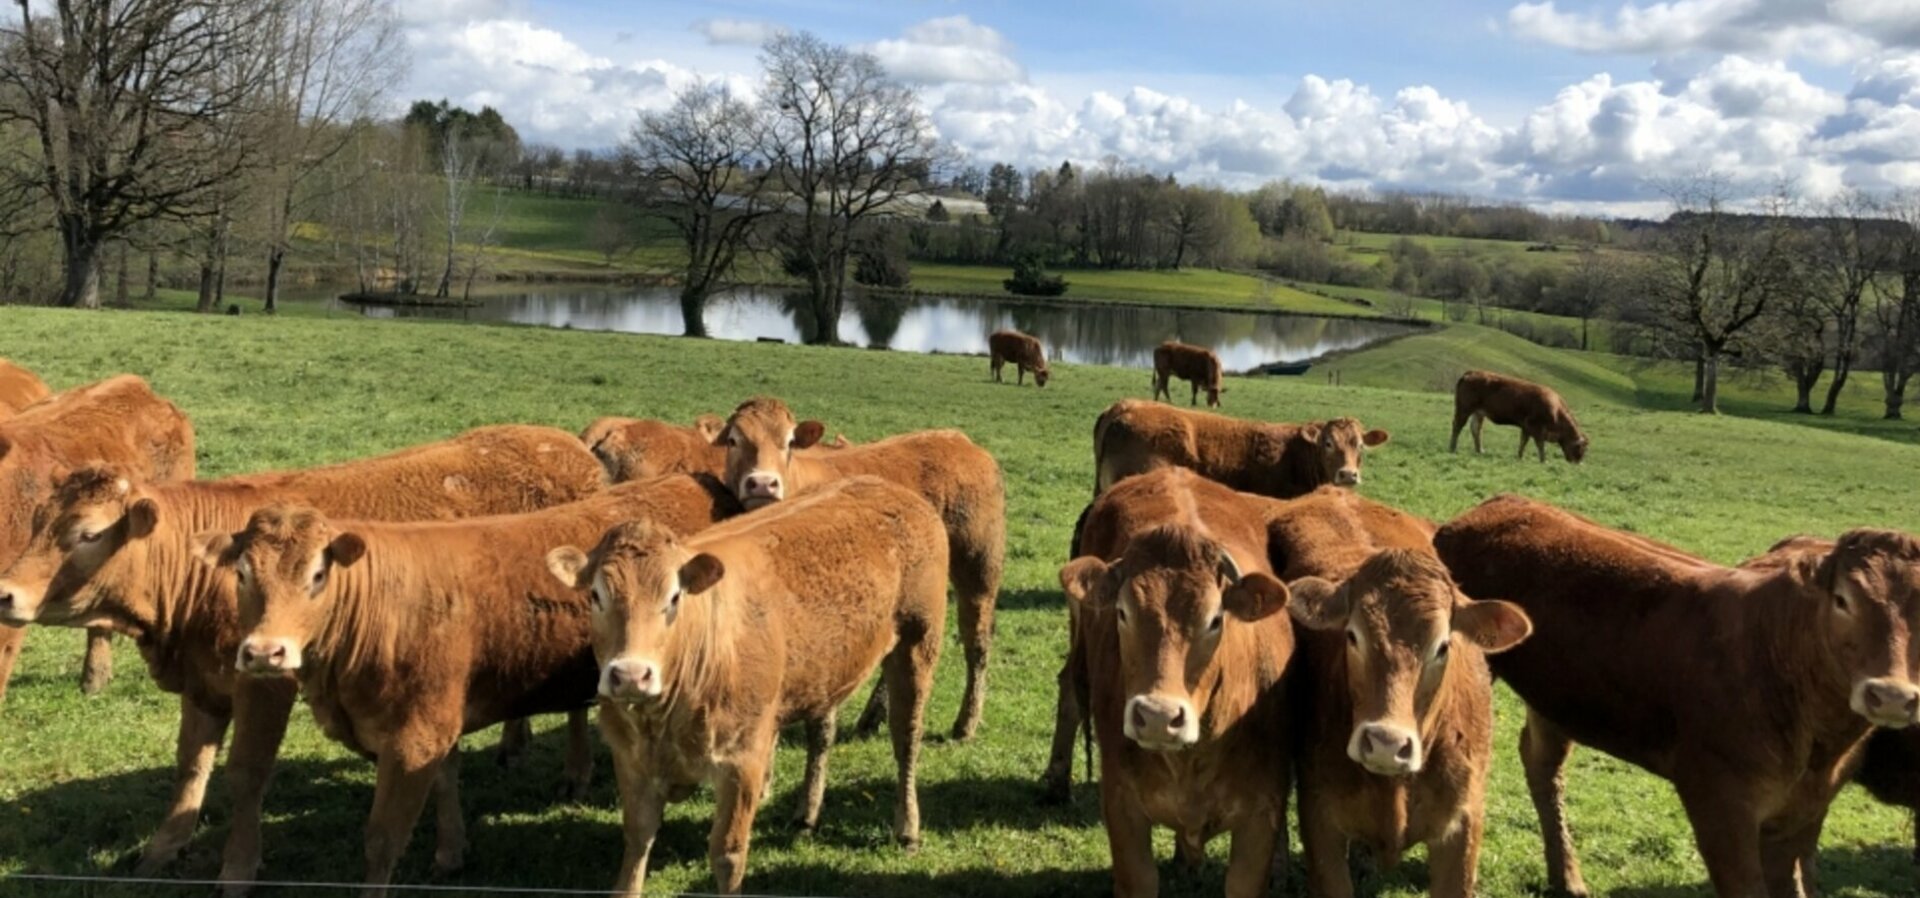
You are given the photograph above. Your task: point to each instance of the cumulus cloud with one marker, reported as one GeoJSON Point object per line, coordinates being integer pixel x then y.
{"type": "Point", "coordinates": [738, 32]}
{"type": "Point", "coordinates": [1831, 31]}
{"type": "Point", "coordinates": [951, 49]}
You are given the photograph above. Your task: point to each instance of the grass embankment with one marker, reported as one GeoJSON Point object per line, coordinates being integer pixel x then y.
{"type": "Point", "coordinates": [1193, 286]}
{"type": "Point", "coordinates": [84, 779]}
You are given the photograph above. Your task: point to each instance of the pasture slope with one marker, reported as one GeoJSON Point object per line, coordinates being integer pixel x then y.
{"type": "Point", "coordinates": [82, 781]}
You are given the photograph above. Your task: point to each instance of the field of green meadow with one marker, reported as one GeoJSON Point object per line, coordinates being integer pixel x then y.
{"type": "Point", "coordinates": [83, 780]}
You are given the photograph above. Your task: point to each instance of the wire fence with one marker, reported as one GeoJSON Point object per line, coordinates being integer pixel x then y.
{"type": "Point", "coordinates": [201, 884]}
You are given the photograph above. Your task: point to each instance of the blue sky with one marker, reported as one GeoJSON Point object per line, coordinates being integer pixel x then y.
{"type": "Point", "coordinates": [1567, 104]}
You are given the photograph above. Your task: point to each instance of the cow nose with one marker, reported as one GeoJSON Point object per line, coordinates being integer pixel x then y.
{"type": "Point", "coordinates": [1159, 722]}
{"type": "Point", "coordinates": [763, 486]}
{"type": "Point", "coordinates": [1347, 477]}
{"type": "Point", "coordinates": [263, 654]}
{"type": "Point", "coordinates": [1386, 750]}
{"type": "Point", "coordinates": [1889, 703]}
{"type": "Point", "coordinates": [633, 678]}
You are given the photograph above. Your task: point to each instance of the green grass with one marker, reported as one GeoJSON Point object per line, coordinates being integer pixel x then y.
{"type": "Point", "coordinates": [84, 779]}
{"type": "Point", "coordinates": [1193, 286]}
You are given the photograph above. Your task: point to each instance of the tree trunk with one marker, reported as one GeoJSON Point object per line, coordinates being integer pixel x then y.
{"type": "Point", "coordinates": [1583, 334]}
{"type": "Point", "coordinates": [81, 287]}
{"type": "Point", "coordinates": [1896, 389]}
{"type": "Point", "coordinates": [1699, 375]}
{"type": "Point", "coordinates": [120, 279]}
{"type": "Point", "coordinates": [276, 257]}
{"type": "Point", "coordinates": [1804, 380]}
{"type": "Point", "coordinates": [205, 303]}
{"type": "Point", "coordinates": [153, 275]}
{"type": "Point", "coordinates": [1709, 383]}
{"type": "Point", "coordinates": [693, 305]}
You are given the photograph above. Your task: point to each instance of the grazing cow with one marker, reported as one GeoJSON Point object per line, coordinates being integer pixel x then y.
{"type": "Point", "coordinates": [404, 636]}
{"type": "Point", "coordinates": [641, 449]}
{"type": "Point", "coordinates": [119, 421]}
{"type": "Point", "coordinates": [1393, 705]}
{"type": "Point", "coordinates": [1180, 642]}
{"type": "Point", "coordinates": [1751, 690]}
{"type": "Point", "coordinates": [19, 388]}
{"type": "Point", "coordinates": [959, 478]}
{"type": "Point", "coordinates": [709, 644]}
{"type": "Point", "coordinates": [1195, 364]}
{"type": "Point", "coordinates": [1278, 460]}
{"type": "Point", "coordinates": [1023, 350]}
{"type": "Point", "coordinates": [1538, 411]}
{"type": "Point", "coordinates": [117, 551]}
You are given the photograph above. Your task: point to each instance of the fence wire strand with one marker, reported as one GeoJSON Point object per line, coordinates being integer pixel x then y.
{"type": "Point", "coordinates": [143, 881]}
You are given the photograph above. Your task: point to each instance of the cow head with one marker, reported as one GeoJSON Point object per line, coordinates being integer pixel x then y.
{"type": "Point", "coordinates": [760, 438]}
{"type": "Point", "coordinates": [1573, 447]}
{"type": "Point", "coordinates": [639, 579]}
{"type": "Point", "coordinates": [1175, 595]}
{"type": "Point", "coordinates": [1213, 395]}
{"type": "Point", "coordinates": [1041, 374]}
{"type": "Point", "coordinates": [1869, 584]}
{"type": "Point", "coordinates": [283, 564]}
{"type": "Point", "coordinates": [639, 449]}
{"type": "Point", "coordinates": [1341, 445]}
{"type": "Point", "coordinates": [1403, 618]}
{"type": "Point", "coordinates": [86, 547]}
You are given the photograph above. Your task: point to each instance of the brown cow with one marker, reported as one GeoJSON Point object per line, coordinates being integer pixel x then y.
{"type": "Point", "coordinates": [137, 575]}
{"type": "Point", "coordinates": [19, 388]}
{"type": "Point", "coordinates": [1271, 459]}
{"type": "Point", "coordinates": [1393, 703]}
{"type": "Point", "coordinates": [1751, 690]}
{"type": "Point", "coordinates": [1195, 364]}
{"type": "Point", "coordinates": [1023, 350]}
{"type": "Point", "coordinates": [404, 636]}
{"type": "Point", "coordinates": [1538, 411]}
{"type": "Point", "coordinates": [119, 421]}
{"type": "Point", "coordinates": [710, 644]}
{"type": "Point", "coordinates": [1180, 643]}
{"type": "Point", "coordinates": [639, 449]}
{"type": "Point", "coordinates": [959, 478]}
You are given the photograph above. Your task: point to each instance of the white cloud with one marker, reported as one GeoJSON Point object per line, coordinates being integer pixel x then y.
{"type": "Point", "coordinates": [1830, 31]}
{"type": "Point", "coordinates": [741, 32]}
{"type": "Point", "coordinates": [952, 49]}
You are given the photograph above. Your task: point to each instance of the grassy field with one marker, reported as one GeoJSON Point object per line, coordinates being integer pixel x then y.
{"type": "Point", "coordinates": [1194, 286]}
{"type": "Point", "coordinates": [84, 779]}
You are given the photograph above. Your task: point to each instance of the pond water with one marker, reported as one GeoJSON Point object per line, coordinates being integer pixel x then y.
{"type": "Point", "coordinates": [1119, 335]}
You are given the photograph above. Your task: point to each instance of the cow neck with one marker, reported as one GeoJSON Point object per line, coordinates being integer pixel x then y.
{"type": "Point", "coordinates": [377, 603]}
{"type": "Point", "coordinates": [701, 650]}
{"type": "Point", "coordinates": [1231, 701]}
{"type": "Point", "coordinates": [1795, 648]}
{"type": "Point", "coordinates": [183, 594]}
{"type": "Point", "coordinates": [1300, 469]}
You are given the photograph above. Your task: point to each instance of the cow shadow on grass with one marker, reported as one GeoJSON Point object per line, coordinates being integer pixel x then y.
{"type": "Point", "coordinates": [1032, 599]}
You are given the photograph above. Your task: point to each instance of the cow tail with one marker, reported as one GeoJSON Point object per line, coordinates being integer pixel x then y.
{"type": "Point", "coordinates": [1099, 447]}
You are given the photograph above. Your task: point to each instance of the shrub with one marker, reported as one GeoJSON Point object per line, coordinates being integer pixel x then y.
{"type": "Point", "coordinates": [1030, 278]}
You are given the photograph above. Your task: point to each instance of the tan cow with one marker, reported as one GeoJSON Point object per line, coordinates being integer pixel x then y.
{"type": "Point", "coordinates": [1538, 411]}
{"type": "Point", "coordinates": [1195, 364]}
{"type": "Point", "coordinates": [19, 388]}
{"type": "Point", "coordinates": [1393, 703]}
{"type": "Point", "coordinates": [119, 421]}
{"type": "Point", "coordinates": [709, 644]}
{"type": "Point", "coordinates": [959, 478]}
{"type": "Point", "coordinates": [404, 636]}
{"type": "Point", "coordinates": [1632, 653]}
{"type": "Point", "coordinates": [1181, 640]}
{"type": "Point", "coordinates": [137, 575]}
{"type": "Point", "coordinates": [640, 449]}
{"type": "Point", "coordinates": [1271, 459]}
{"type": "Point", "coordinates": [1023, 350]}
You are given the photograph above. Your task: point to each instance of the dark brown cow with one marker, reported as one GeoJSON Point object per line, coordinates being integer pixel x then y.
{"type": "Point", "coordinates": [137, 574]}
{"type": "Point", "coordinates": [1195, 364]}
{"type": "Point", "coordinates": [403, 636]}
{"type": "Point", "coordinates": [1180, 642]}
{"type": "Point", "coordinates": [709, 645]}
{"type": "Point", "coordinates": [1751, 690]}
{"type": "Point", "coordinates": [1023, 350]}
{"type": "Point", "coordinates": [1271, 459]}
{"type": "Point", "coordinates": [1538, 411]}
{"type": "Point", "coordinates": [959, 478]}
{"type": "Point", "coordinates": [1393, 702]}
{"type": "Point", "coordinates": [19, 388]}
{"type": "Point", "coordinates": [119, 421]}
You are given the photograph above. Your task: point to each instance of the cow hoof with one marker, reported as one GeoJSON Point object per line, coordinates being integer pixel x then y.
{"type": "Point", "coordinates": [1055, 790]}
{"type": "Point", "coordinates": [95, 680]}
{"type": "Point", "coordinates": [153, 861]}
{"type": "Point", "coordinates": [963, 730]}
{"type": "Point", "coordinates": [574, 791]}
{"type": "Point", "coordinates": [450, 860]}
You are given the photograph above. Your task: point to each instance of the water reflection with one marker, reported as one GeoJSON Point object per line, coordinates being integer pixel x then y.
{"type": "Point", "coordinates": [1091, 334]}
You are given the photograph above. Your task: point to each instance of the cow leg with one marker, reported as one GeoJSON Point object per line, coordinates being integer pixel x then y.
{"type": "Point", "coordinates": [199, 744]}
{"type": "Point", "coordinates": [516, 736]}
{"type": "Point", "coordinates": [1479, 421]}
{"type": "Point", "coordinates": [1524, 439]}
{"type": "Point", "coordinates": [995, 365]}
{"type": "Point", "coordinates": [1727, 832]}
{"type": "Point", "coordinates": [1160, 386]}
{"type": "Point", "coordinates": [813, 789]}
{"type": "Point", "coordinates": [1325, 848]}
{"type": "Point", "coordinates": [96, 671]}
{"type": "Point", "coordinates": [909, 679]}
{"type": "Point", "coordinates": [1453, 863]}
{"type": "Point", "coordinates": [1250, 857]}
{"type": "Point", "coordinates": [10, 640]}
{"type": "Point", "coordinates": [1194, 400]}
{"type": "Point", "coordinates": [1791, 859]}
{"type": "Point", "coordinates": [260, 711]}
{"type": "Point", "coordinates": [1129, 840]}
{"type": "Point", "coordinates": [399, 795]}
{"type": "Point", "coordinates": [1544, 750]}
{"type": "Point", "coordinates": [736, 796]}
{"type": "Point", "coordinates": [874, 713]}
{"type": "Point", "coordinates": [643, 802]}
{"type": "Point", "coordinates": [1540, 443]}
{"type": "Point", "coordinates": [577, 775]}
{"type": "Point", "coordinates": [1460, 418]}
{"type": "Point", "coordinates": [1056, 784]}
{"type": "Point", "coordinates": [975, 566]}
{"type": "Point", "coordinates": [450, 826]}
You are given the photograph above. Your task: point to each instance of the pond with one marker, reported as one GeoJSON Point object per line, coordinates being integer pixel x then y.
{"type": "Point", "coordinates": [1096, 334]}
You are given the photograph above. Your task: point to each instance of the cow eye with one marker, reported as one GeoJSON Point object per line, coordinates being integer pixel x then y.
{"type": "Point", "coordinates": [1121, 611]}
{"type": "Point", "coordinates": [1218, 620]}
{"type": "Point", "coordinates": [1840, 603]}
{"type": "Point", "coordinates": [88, 536]}
{"type": "Point", "coordinates": [1353, 637]}
{"type": "Point", "coordinates": [1440, 651]}
{"type": "Point", "coordinates": [673, 602]}
{"type": "Point", "coordinates": [594, 598]}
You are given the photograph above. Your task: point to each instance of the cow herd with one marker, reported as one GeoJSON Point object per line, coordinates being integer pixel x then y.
{"type": "Point", "coordinates": [1243, 628]}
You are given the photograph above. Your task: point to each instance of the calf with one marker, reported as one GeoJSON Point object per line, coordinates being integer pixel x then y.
{"type": "Point", "coordinates": [640, 449]}
{"type": "Point", "coordinates": [1271, 459]}
{"type": "Point", "coordinates": [1195, 364]}
{"type": "Point", "coordinates": [1751, 690]}
{"type": "Point", "coordinates": [19, 388]}
{"type": "Point", "coordinates": [959, 478]}
{"type": "Point", "coordinates": [708, 645]}
{"type": "Point", "coordinates": [1023, 350]}
{"type": "Point", "coordinates": [404, 636]}
{"type": "Point", "coordinates": [1538, 411]}
{"type": "Point", "coordinates": [1393, 702]}
{"type": "Point", "coordinates": [119, 421]}
{"type": "Point", "coordinates": [1179, 647]}
{"type": "Point", "coordinates": [112, 550]}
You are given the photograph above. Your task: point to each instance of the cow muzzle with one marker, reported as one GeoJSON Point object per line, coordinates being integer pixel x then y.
{"type": "Point", "coordinates": [265, 656]}
{"type": "Point", "coordinates": [631, 680]}
{"type": "Point", "coordinates": [1385, 749]}
{"type": "Point", "coordinates": [761, 488]}
{"type": "Point", "coordinates": [1347, 477]}
{"type": "Point", "coordinates": [19, 606]}
{"type": "Point", "coordinates": [1887, 703]}
{"type": "Point", "coordinates": [1159, 723]}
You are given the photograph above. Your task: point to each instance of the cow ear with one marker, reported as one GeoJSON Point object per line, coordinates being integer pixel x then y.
{"type": "Point", "coordinates": [1375, 438]}
{"type": "Point", "coordinates": [142, 517]}
{"type": "Point", "coordinates": [1318, 604]}
{"type": "Point", "coordinates": [701, 573]}
{"type": "Point", "coordinates": [1493, 625]}
{"type": "Point", "coordinates": [215, 548]}
{"type": "Point", "coordinates": [1311, 432]}
{"type": "Point", "coordinates": [567, 564]}
{"type": "Point", "coordinates": [808, 433]}
{"type": "Point", "coordinates": [720, 436]}
{"type": "Point", "coordinates": [346, 549]}
{"type": "Point", "coordinates": [1255, 596]}
{"type": "Point", "coordinates": [709, 427]}
{"type": "Point", "coordinates": [1086, 581]}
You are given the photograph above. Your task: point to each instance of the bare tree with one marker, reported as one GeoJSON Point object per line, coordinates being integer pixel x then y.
{"type": "Point", "coordinates": [848, 144]}
{"type": "Point", "coordinates": [1844, 263]}
{"type": "Point", "coordinates": [458, 168]}
{"type": "Point", "coordinates": [125, 98]}
{"type": "Point", "coordinates": [697, 162]}
{"type": "Point", "coordinates": [1897, 311]}
{"type": "Point", "coordinates": [1590, 283]}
